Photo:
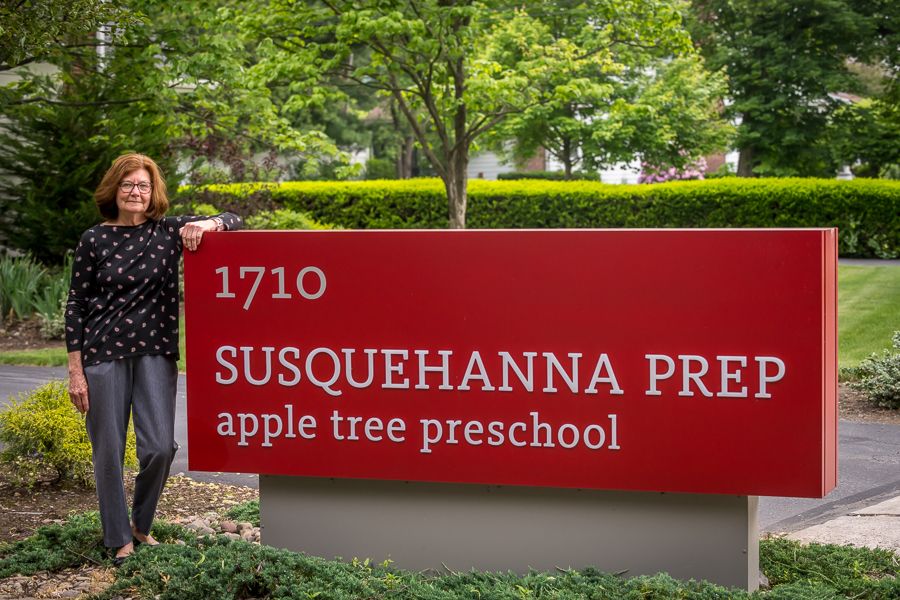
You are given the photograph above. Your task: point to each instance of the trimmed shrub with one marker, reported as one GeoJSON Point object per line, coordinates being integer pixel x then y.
{"type": "Point", "coordinates": [866, 211]}
{"type": "Point", "coordinates": [243, 199]}
{"type": "Point", "coordinates": [879, 377]}
{"type": "Point", "coordinates": [283, 218]}
{"type": "Point", "coordinates": [43, 433]}
{"type": "Point", "coordinates": [548, 175]}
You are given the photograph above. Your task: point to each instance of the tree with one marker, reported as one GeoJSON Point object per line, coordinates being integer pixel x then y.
{"type": "Point", "coordinates": [783, 61]}
{"type": "Point", "coordinates": [454, 68]}
{"type": "Point", "coordinates": [32, 29]}
{"type": "Point", "coordinates": [668, 112]}
{"type": "Point", "coordinates": [655, 99]}
{"type": "Point", "coordinates": [866, 135]}
{"type": "Point", "coordinates": [175, 86]}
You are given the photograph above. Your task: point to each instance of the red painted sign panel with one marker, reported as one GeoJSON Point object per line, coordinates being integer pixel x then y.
{"type": "Point", "coordinates": [663, 360]}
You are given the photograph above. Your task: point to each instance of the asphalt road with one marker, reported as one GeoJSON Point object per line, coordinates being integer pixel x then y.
{"type": "Point", "coordinates": [868, 463]}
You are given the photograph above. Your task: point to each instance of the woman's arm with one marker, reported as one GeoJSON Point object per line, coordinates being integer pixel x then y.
{"type": "Point", "coordinates": [192, 228]}
{"type": "Point", "coordinates": [80, 290]}
{"type": "Point", "coordinates": [78, 388]}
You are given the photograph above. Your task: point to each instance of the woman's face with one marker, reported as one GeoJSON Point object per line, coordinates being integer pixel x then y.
{"type": "Point", "coordinates": [134, 201]}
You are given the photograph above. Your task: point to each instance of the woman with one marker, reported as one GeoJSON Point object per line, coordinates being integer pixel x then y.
{"type": "Point", "coordinates": [122, 338]}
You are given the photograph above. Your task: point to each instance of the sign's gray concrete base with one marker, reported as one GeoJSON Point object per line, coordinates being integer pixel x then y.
{"type": "Point", "coordinates": [496, 528]}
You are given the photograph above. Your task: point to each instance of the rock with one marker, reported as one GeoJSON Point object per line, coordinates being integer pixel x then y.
{"type": "Point", "coordinates": [228, 527]}
{"type": "Point", "coordinates": [244, 525]}
{"type": "Point", "coordinates": [231, 536]}
{"type": "Point", "coordinates": [202, 527]}
{"type": "Point", "coordinates": [247, 535]}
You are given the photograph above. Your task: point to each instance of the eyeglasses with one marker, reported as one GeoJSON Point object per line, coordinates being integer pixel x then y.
{"type": "Point", "coordinates": [143, 187]}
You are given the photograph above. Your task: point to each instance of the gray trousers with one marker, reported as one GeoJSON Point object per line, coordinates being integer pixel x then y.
{"type": "Point", "coordinates": [145, 387]}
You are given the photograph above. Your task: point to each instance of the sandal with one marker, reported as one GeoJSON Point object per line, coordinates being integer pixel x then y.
{"type": "Point", "coordinates": [117, 561]}
{"type": "Point", "coordinates": [138, 542]}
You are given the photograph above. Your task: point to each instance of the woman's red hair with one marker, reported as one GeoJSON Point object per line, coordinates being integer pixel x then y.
{"type": "Point", "coordinates": [105, 194]}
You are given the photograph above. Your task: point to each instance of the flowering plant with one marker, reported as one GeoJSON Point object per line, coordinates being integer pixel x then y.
{"type": "Point", "coordinates": [660, 174]}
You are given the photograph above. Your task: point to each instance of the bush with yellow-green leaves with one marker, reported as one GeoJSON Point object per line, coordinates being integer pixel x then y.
{"type": "Point", "coordinates": [44, 436]}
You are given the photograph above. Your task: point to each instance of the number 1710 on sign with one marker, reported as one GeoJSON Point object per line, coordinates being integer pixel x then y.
{"type": "Point", "coordinates": [310, 283]}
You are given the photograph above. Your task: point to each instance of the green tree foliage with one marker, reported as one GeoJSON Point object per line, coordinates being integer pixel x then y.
{"type": "Point", "coordinates": [866, 134]}
{"type": "Point", "coordinates": [53, 152]}
{"type": "Point", "coordinates": [784, 61]}
{"type": "Point", "coordinates": [655, 99]}
{"type": "Point", "coordinates": [32, 29]}
{"type": "Point", "coordinates": [454, 68]}
{"type": "Point", "coordinates": [171, 80]}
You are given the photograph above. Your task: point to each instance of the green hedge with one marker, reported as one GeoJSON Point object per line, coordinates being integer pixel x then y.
{"type": "Point", "coordinates": [548, 175]}
{"type": "Point", "coordinates": [867, 212]}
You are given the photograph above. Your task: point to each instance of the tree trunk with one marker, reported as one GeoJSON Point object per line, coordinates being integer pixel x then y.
{"type": "Point", "coordinates": [456, 183]}
{"type": "Point", "coordinates": [405, 157]}
{"type": "Point", "coordinates": [746, 156]}
{"type": "Point", "coordinates": [567, 159]}
{"type": "Point", "coordinates": [745, 162]}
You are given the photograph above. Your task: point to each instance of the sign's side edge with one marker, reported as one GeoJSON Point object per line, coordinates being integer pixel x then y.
{"type": "Point", "coordinates": [830, 360]}
{"type": "Point", "coordinates": [188, 308]}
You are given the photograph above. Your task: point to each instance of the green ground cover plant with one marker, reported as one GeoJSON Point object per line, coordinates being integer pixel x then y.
{"type": "Point", "coordinates": [214, 567]}
{"type": "Point", "coordinates": [245, 512]}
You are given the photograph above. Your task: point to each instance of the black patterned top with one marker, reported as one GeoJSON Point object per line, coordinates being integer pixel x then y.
{"type": "Point", "coordinates": [123, 300]}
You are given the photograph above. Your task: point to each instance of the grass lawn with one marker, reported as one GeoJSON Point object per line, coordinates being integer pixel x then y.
{"type": "Point", "coordinates": [57, 357]}
{"type": "Point", "coordinates": [48, 357]}
{"type": "Point", "coordinates": [868, 314]}
{"type": "Point", "coordinates": [868, 311]}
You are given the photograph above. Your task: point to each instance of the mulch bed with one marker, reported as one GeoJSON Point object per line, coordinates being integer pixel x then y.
{"type": "Point", "coordinates": [25, 335]}
{"type": "Point", "coordinates": [23, 510]}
